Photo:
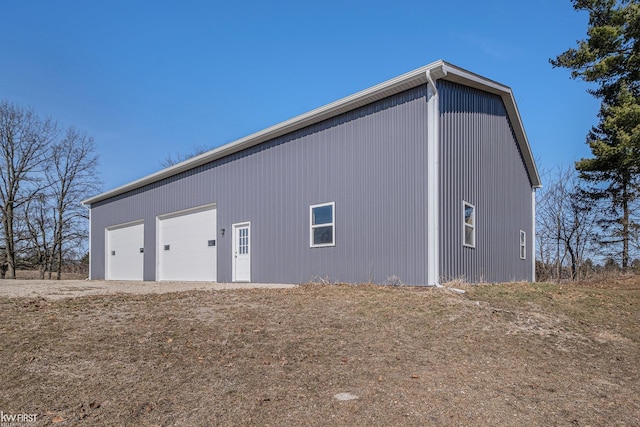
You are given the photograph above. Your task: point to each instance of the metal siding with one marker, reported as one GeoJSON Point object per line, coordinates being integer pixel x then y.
{"type": "Point", "coordinates": [370, 161]}
{"type": "Point", "coordinates": [481, 164]}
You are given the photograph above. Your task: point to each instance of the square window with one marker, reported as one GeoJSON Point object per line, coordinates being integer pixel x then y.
{"type": "Point", "coordinates": [322, 215]}
{"type": "Point", "coordinates": [469, 224]}
{"type": "Point", "coordinates": [322, 222]}
{"type": "Point", "coordinates": [322, 235]}
{"type": "Point", "coordinates": [167, 247]}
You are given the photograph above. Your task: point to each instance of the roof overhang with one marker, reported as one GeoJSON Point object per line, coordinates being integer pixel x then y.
{"type": "Point", "coordinates": [437, 70]}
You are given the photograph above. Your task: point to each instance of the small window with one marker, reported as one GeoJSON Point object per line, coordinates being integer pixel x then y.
{"type": "Point", "coordinates": [469, 224]}
{"type": "Point", "coordinates": [323, 230]}
{"type": "Point", "coordinates": [113, 253]}
{"type": "Point", "coordinates": [167, 247]}
{"type": "Point", "coordinates": [523, 245]}
{"type": "Point", "coordinates": [243, 240]}
{"type": "Point", "coordinates": [211, 243]}
{"type": "Point", "coordinates": [141, 250]}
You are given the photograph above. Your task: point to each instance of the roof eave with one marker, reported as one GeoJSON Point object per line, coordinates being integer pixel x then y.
{"type": "Point", "coordinates": [438, 69]}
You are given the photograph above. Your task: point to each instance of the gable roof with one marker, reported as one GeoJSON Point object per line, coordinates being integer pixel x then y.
{"type": "Point", "coordinates": [437, 70]}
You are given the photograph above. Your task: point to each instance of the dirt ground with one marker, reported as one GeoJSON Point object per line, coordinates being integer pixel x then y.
{"type": "Point", "coordinates": [335, 355]}
{"type": "Point", "coordinates": [63, 289]}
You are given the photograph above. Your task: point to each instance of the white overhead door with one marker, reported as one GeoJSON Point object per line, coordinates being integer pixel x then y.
{"type": "Point", "coordinates": [125, 252]}
{"type": "Point", "coordinates": [187, 246]}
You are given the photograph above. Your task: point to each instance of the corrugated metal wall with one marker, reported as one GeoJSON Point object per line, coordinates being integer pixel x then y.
{"type": "Point", "coordinates": [371, 162]}
{"type": "Point", "coordinates": [481, 164]}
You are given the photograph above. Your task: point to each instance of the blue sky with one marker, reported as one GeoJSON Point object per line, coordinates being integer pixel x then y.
{"type": "Point", "coordinates": [149, 79]}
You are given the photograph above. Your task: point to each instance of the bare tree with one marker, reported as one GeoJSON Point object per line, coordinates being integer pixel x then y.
{"type": "Point", "coordinates": [566, 223]}
{"type": "Point", "coordinates": [39, 225]}
{"type": "Point", "coordinates": [71, 177]}
{"type": "Point", "coordinates": [170, 160]}
{"type": "Point", "coordinates": [24, 139]}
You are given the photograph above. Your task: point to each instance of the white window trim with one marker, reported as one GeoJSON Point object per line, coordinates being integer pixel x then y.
{"type": "Point", "coordinates": [465, 225]}
{"type": "Point", "coordinates": [314, 226]}
{"type": "Point", "coordinates": [523, 245]}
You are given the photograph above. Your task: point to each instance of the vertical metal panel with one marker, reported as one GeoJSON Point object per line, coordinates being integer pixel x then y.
{"type": "Point", "coordinates": [370, 161]}
{"type": "Point", "coordinates": [481, 164]}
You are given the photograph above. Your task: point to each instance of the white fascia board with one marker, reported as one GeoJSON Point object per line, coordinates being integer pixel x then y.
{"type": "Point", "coordinates": [396, 85]}
{"type": "Point", "coordinates": [438, 69]}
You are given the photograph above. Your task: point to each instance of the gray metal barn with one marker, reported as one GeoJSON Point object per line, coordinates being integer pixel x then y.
{"type": "Point", "coordinates": [422, 179]}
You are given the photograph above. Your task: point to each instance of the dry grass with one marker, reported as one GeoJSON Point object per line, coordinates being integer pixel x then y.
{"type": "Point", "coordinates": [498, 355]}
{"type": "Point", "coordinates": [35, 275]}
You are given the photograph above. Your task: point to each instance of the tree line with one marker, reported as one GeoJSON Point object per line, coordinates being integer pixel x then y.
{"type": "Point", "coordinates": [45, 173]}
{"type": "Point", "coordinates": [591, 212]}
{"type": "Point", "coordinates": [587, 216]}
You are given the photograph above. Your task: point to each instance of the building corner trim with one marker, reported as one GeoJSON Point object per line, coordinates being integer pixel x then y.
{"type": "Point", "coordinates": [433, 180]}
{"type": "Point", "coordinates": [89, 248]}
{"type": "Point", "coordinates": [533, 234]}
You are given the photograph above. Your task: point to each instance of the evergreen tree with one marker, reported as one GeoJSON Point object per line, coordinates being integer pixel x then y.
{"type": "Point", "coordinates": [610, 58]}
{"type": "Point", "coordinates": [613, 171]}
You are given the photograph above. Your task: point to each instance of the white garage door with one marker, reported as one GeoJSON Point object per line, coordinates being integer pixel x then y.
{"type": "Point", "coordinates": [187, 246]}
{"type": "Point", "coordinates": [125, 254]}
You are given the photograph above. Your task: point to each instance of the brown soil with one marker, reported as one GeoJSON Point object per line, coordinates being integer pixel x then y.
{"type": "Point", "coordinates": [498, 355]}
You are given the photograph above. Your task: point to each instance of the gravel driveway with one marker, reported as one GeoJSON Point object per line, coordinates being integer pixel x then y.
{"type": "Point", "coordinates": [61, 289]}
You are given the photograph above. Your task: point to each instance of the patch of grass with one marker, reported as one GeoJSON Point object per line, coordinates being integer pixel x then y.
{"type": "Point", "coordinates": [615, 309]}
{"type": "Point", "coordinates": [517, 354]}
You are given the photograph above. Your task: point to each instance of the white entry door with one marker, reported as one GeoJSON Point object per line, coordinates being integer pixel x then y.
{"type": "Point", "coordinates": [242, 252]}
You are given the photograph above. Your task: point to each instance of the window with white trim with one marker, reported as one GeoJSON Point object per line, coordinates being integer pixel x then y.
{"type": "Point", "coordinates": [523, 245]}
{"type": "Point", "coordinates": [323, 225]}
{"type": "Point", "coordinates": [469, 224]}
